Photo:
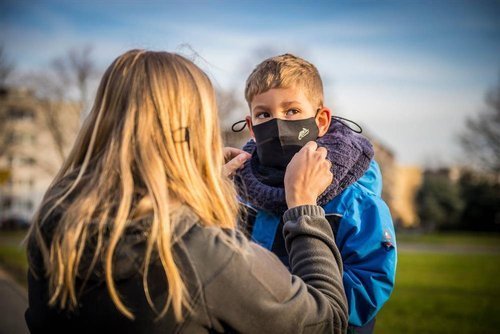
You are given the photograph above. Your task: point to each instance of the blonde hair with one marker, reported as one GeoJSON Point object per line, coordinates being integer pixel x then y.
{"type": "Point", "coordinates": [152, 138]}
{"type": "Point", "coordinates": [285, 71]}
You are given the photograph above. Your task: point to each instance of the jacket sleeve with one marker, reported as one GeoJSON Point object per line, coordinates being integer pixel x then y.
{"type": "Point", "coordinates": [255, 293]}
{"type": "Point", "coordinates": [367, 243]}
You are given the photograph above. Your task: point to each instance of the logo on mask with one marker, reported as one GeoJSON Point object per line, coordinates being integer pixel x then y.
{"type": "Point", "coordinates": [278, 140]}
{"type": "Point", "coordinates": [304, 132]}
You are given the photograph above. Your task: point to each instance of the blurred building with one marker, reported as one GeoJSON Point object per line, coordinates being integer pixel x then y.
{"type": "Point", "coordinates": [408, 180]}
{"type": "Point", "coordinates": [29, 156]}
{"type": "Point", "coordinates": [401, 185]}
{"type": "Point", "coordinates": [387, 162]}
{"type": "Point", "coordinates": [449, 173]}
{"type": "Point", "coordinates": [455, 173]}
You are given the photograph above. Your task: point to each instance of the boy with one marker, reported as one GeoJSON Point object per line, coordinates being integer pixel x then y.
{"type": "Point", "coordinates": [285, 96]}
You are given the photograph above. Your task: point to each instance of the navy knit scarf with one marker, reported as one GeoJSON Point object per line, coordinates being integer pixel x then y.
{"type": "Point", "coordinates": [349, 153]}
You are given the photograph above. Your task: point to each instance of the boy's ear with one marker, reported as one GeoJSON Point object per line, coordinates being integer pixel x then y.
{"type": "Point", "coordinates": [248, 120]}
{"type": "Point", "coordinates": [323, 120]}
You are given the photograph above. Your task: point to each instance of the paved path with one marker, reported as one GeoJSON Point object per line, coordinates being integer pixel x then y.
{"type": "Point", "coordinates": [13, 303]}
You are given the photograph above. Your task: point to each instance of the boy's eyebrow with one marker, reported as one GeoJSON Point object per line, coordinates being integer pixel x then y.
{"type": "Point", "coordinates": [285, 104]}
{"type": "Point", "coordinates": [261, 107]}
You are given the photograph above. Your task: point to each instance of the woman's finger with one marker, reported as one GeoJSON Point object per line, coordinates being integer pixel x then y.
{"type": "Point", "coordinates": [230, 153]}
{"type": "Point", "coordinates": [234, 164]}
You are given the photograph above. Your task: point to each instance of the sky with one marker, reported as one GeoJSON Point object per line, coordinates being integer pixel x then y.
{"type": "Point", "coordinates": [410, 72]}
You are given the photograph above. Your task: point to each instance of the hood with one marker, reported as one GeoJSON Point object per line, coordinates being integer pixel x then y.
{"type": "Point", "coordinates": [128, 258]}
{"type": "Point", "coordinates": [372, 179]}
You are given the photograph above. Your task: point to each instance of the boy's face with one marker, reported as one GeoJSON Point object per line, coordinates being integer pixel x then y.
{"type": "Point", "coordinates": [287, 104]}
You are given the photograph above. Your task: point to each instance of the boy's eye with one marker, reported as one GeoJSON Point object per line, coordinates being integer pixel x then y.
{"type": "Point", "coordinates": [262, 115]}
{"type": "Point", "coordinates": [291, 112]}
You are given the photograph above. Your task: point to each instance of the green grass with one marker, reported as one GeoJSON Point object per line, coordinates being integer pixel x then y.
{"type": "Point", "coordinates": [13, 255]}
{"type": "Point", "coordinates": [452, 238]}
{"type": "Point", "coordinates": [444, 293]}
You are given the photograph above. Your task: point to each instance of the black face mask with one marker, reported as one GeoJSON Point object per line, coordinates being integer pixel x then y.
{"type": "Point", "coordinates": [278, 140]}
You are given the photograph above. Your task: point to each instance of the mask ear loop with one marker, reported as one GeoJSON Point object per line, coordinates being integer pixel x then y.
{"type": "Point", "coordinates": [235, 128]}
{"type": "Point", "coordinates": [341, 120]}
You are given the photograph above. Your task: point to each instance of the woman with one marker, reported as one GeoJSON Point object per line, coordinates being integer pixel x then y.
{"type": "Point", "coordinates": [137, 232]}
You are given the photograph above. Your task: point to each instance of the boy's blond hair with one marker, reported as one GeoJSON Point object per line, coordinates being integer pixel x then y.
{"type": "Point", "coordinates": [285, 71]}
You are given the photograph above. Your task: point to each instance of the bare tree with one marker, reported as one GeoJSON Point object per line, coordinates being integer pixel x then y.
{"type": "Point", "coordinates": [230, 109]}
{"type": "Point", "coordinates": [254, 57]}
{"type": "Point", "coordinates": [63, 93]}
{"type": "Point", "coordinates": [481, 138]}
{"type": "Point", "coordinates": [6, 69]}
{"type": "Point", "coordinates": [4, 131]}
{"type": "Point", "coordinates": [6, 66]}
{"type": "Point", "coordinates": [229, 105]}
{"type": "Point", "coordinates": [76, 69]}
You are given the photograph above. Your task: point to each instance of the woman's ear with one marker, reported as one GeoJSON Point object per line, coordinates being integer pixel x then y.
{"type": "Point", "coordinates": [248, 120]}
{"type": "Point", "coordinates": [323, 120]}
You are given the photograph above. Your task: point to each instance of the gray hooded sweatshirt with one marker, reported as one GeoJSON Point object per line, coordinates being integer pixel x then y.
{"type": "Point", "coordinates": [234, 284]}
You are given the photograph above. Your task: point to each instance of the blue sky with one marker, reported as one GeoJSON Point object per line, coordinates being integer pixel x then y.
{"type": "Point", "coordinates": [409, 71]}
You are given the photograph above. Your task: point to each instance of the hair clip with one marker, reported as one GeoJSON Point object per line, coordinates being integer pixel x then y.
{"type": "Point", "coordinates": [184, 138]}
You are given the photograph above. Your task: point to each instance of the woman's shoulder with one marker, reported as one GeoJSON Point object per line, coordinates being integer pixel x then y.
{"type": "Point", "coordinates": [210, 249]}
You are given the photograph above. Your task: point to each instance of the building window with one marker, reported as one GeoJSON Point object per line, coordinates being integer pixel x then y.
{"type": "Point", "coordinates": [27, 138]}
{"type": "Point", "coordinates": [7, 203]}
{"type": "Point", "coordinates": [29, 161]}
{"type": "Point", "coordinates": [17, 113]}
{"type": "Point", "coordinates": [11, 138]}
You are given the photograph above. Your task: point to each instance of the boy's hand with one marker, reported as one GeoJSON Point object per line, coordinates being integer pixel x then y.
{"type": "Point", "coordinates": [307, 175]}
{"type": "Point", "coordinates": [234, 159]}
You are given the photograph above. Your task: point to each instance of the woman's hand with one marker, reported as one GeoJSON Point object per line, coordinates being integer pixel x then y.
{"type": "Point", "coordinates": [234, 159]}
{"type": "Point", "coordinates": [307, 175]}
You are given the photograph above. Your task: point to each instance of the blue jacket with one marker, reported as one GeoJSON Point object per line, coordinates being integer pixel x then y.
{"type": "Point", "coordinates": [365, 236]}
